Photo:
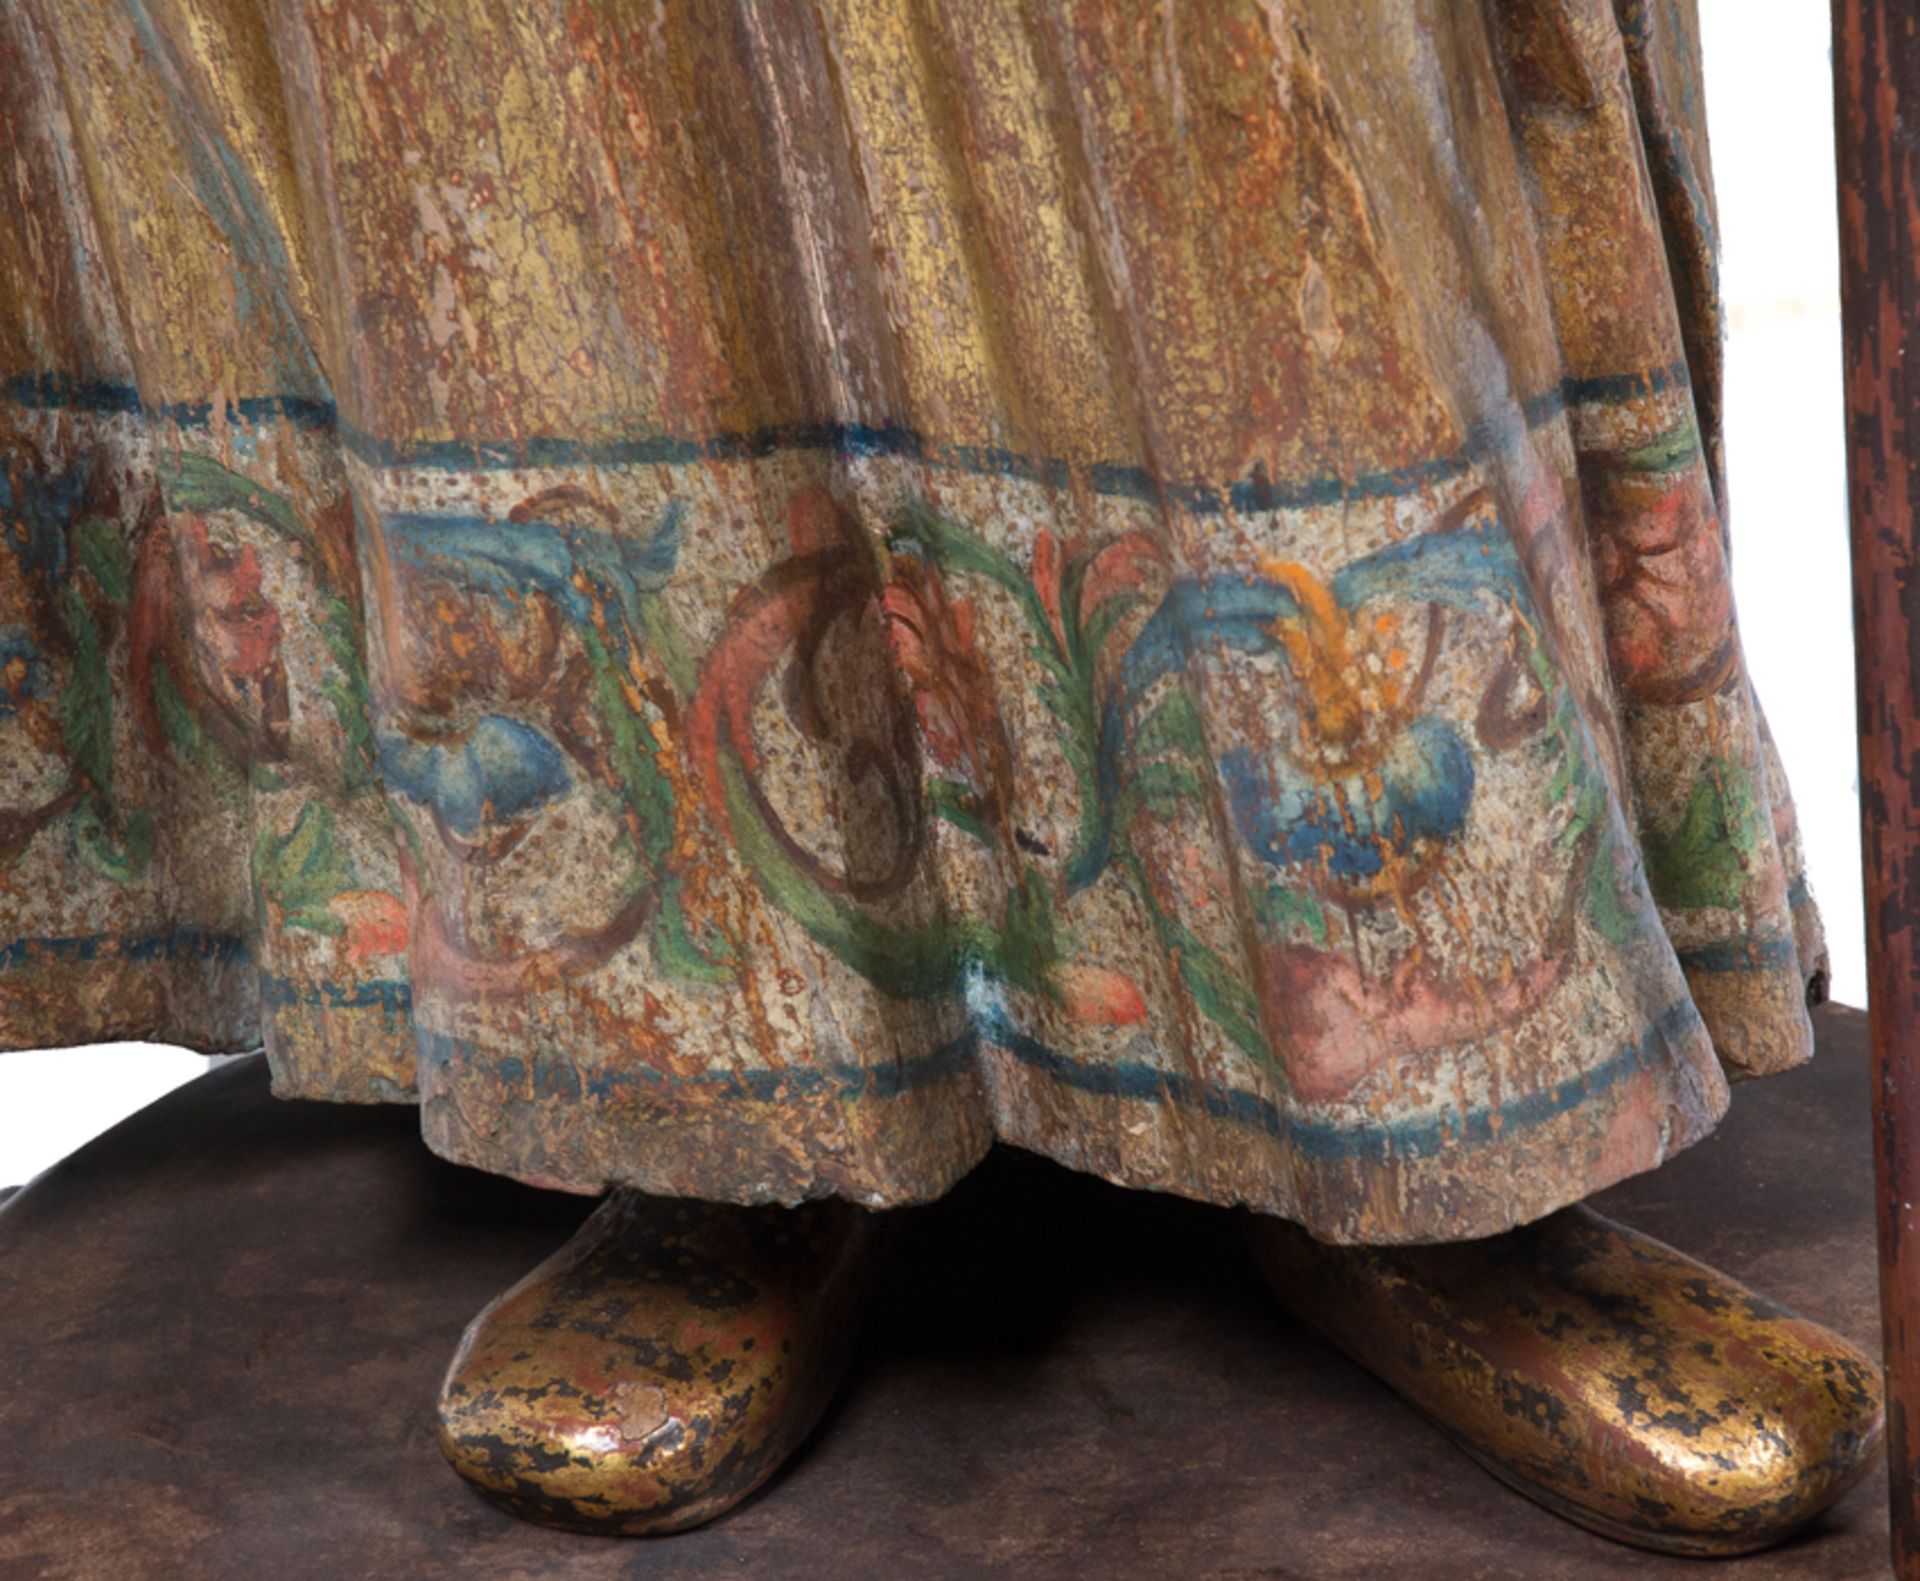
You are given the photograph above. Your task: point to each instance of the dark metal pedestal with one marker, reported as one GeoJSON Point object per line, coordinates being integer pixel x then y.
{"type": "Point", "coordinates": [221, 1327]}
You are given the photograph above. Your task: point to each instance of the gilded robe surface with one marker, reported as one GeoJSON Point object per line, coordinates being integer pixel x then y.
{"type": "Point", "coordinates": [748, 597]}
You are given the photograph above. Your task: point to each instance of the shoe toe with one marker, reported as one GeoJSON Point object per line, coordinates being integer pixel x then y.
{"type": "Point", "coordinates": [1739, 1432]}
{"type": "Point", "coordinates": [1605, 1375]}
{"type": "Point", "coordinates": [599, 1442]}
{"type": "Point", "coordinates": [661, 1367]}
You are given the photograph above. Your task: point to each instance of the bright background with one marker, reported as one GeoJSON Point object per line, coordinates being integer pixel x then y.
{"type": "Point", "coordinates": [1769, 111]}
{"type": "Point", "coordinates": [1769, 114]}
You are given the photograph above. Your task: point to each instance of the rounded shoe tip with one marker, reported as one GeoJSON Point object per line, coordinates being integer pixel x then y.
{"type": "Point", "coordinates": [647, 1458]}
{"type": "Point", "coordinates": [1809, 1425]}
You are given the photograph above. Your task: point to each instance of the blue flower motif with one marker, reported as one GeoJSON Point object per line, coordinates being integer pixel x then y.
{"type": "Point", "coordinates": [23, 672]}
{"type": "Point", "coordinates": [499, 771]}
{"type": "Point", "coordinates": [35, 516]}
{"type": "Point", "coordinates": [1292, 818]}
{"type": "Point", "coordinates": [559, 558]}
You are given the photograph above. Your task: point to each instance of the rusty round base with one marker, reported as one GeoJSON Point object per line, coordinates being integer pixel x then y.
{"type": "Point", "coordinates": [222, 1327]}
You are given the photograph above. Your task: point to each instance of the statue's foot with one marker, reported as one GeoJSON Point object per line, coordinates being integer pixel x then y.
{"type": "Point", "coordinates": [1603, 1374]}
{"type": "Point", "coordinates": [660, 1366]}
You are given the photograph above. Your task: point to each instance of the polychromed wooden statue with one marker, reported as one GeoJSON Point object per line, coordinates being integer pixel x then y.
{"type": "Point", "coordinates": [742, 602]}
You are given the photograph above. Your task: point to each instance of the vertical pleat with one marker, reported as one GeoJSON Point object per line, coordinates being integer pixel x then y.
{"type": "Point", "coordinates": [747, 598]}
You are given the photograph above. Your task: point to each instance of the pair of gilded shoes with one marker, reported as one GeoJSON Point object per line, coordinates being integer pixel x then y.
{"type": "Point", "coordinates": [664, 1364]}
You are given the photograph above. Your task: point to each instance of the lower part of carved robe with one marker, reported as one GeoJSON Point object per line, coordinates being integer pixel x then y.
{"type": "Point", "coordinates": [749, 598]}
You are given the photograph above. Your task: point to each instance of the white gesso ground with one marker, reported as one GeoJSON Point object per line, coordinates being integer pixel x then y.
{"type": "Point", "coordinates": [1769, 106]}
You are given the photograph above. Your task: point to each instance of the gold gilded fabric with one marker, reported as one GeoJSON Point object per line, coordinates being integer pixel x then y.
{"type": "Point", "coordinates": [750, 597]}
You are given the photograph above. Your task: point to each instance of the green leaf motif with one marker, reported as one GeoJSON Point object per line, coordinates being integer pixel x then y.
{"type": "Point", "coordinates": [199, 483]}
{"type": "Point", "coordinates": [86, 703]}
{"type": "Point", "coordinates": [86, 731]}
{"type": "Point", "coordinates": [907, 962]}
{"type": "Point", "coordinates": [643, 787]}
{"type": "Point", "coordinates": [1610, 904]}
{"type": "Point", "coordinates": [185, 734]}
{"type": "Point", "coordinates": [1221, 992]}
{"type": "Point", "coordinates": [1588, 809]}
{"type": "Point", "coordinates": [177, 723]}
{"type": "Point", "coordinates": [957, 549]}
{"type": "Point", "coordinates": [1165, 787]}
{"type": "Point", "coordinates": [1173, 727]}
{"type": "Point", "coordinates": [1027, 947]}
{"type": "Point", "coordinates": [1285, 908]}
{"type": "Point", "coordinates": [649, 797]}
{"type": "Point", "coordinates": [301, 871]}
{"type": "Point", "coordinates": [956, 802]}
{"type": "Point", "coordinates": [122, 861]}
{"type": "Point", "coordinates": [1678, 447]}
{"type": "Point", "coordinates": [1094, 638]}
{"type": "Point", "coordinates": [1701, 862]}
{"type": "Point", "coordinates": [103, 552]}
{"type": "Point", "coordinates": [346, 690]}
{"type": "Point", "coordinates": [675, 950]}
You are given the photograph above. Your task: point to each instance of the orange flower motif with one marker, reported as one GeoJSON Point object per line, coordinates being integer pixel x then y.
{"type": "Point", "coordinates": [1662, 570]}
{"type": "Point", "coordinates": [933, 638]}
{"type": "Point", "coordinates": [235, 631]}
{"type": "Point", "coordinates": [376, 923]}
{"type": "Point", "coordinates": [1046, 582]}
{"type": "Point", "coordinates": [1134, 562]}
{"type": "Point", "coordinates": [1097, 996]}
{"type": "Point", "coordinates": [1355, 677]}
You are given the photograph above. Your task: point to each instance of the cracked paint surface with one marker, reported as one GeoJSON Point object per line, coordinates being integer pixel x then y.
{"type": "Point", "coordinates": [746, 599]}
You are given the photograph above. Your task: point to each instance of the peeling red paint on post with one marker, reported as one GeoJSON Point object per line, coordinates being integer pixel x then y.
{"type": "Point", "coordinates": [1876, 65]}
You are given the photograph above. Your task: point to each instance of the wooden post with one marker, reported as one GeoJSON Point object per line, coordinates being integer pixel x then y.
{"type": "Point", "coordinates": [1876, 79]}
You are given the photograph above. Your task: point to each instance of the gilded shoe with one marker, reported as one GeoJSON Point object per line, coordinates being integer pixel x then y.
{"type": "Point", "coordinates": [1603, 1374]}
{"type": "Point", "coordinates": [660, 1366]}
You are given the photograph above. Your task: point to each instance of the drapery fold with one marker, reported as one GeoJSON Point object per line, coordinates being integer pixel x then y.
{"type": "Point", "coordinates": [749, 598]}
